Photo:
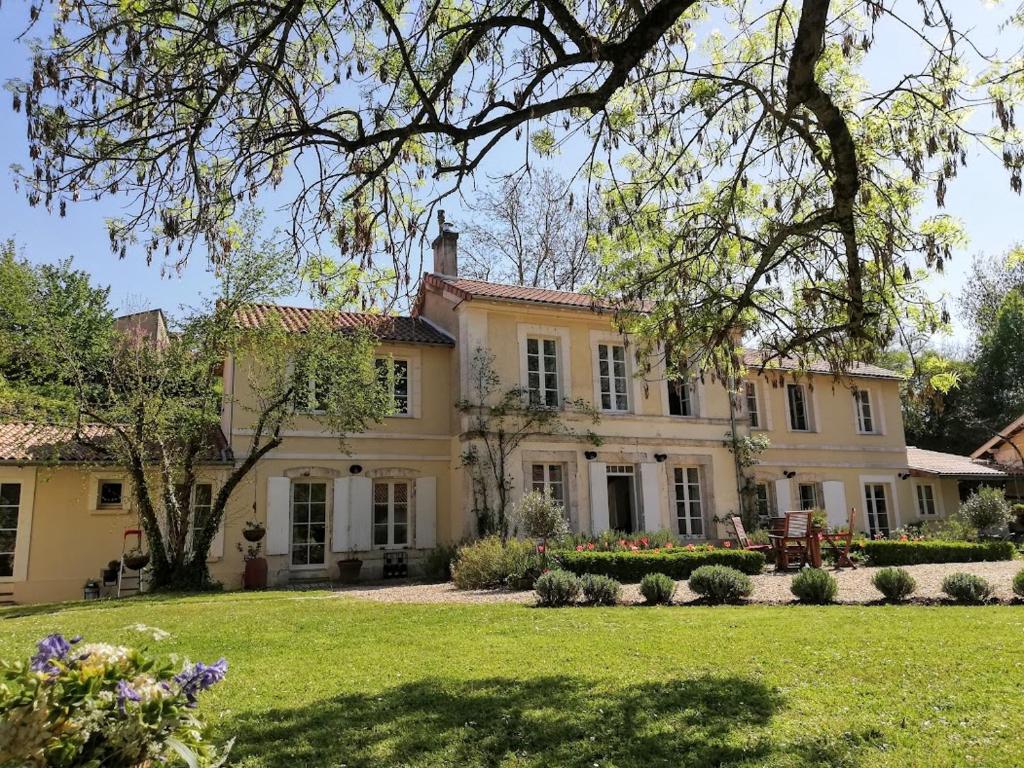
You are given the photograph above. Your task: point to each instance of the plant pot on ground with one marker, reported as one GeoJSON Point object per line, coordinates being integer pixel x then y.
{"type": "Point", "coordinates": [348, 570]}
{"type": "Point", "coordinates": [255, 576]}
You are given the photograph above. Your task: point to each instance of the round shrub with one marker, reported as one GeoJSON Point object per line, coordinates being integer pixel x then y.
{"type": "Point", "coordinates": [967, 588]}
{"type": "Point", "coordinates": [1018, 584]}
{"type": "Point", "coordinates": [600, 590]}
{"type": "Point", "coordinates": [557, 588]}
{"type": "Point", "coordinates": [721, 584]}
{"type": "Point", "coordinates": [815, 586]}
{"type": "Point", "coordinates": [895, 584]}
{"type": "Point", "coordinates": [657, 588]}
{"type": "Point", "coordinates": [491, 563]}
{"type": "Point", "coordinates": [986, 509]}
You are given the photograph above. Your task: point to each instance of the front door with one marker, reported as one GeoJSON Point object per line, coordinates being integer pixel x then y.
{"type": "Point", "coordinates": [309, 524]}
{"type": "Point", "coordinates": [877, 509]}
{"type": "Point", "coordinates": [621, 499]}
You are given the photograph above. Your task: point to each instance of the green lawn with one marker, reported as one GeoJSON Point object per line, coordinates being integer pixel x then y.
{"type": "Point", "coordinates": [321, 681]}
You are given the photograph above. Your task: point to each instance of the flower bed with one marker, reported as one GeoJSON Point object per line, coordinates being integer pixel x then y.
{"type": "Point", "coordinates": [677, 562]}
{"type": "Point", "coordinates": [885, 553]}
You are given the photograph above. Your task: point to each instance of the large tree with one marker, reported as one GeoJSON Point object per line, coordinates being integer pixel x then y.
{"type": "Point", "coordinates": [753, 177]}
{"type": "Point", "coordinates": [151, 402]}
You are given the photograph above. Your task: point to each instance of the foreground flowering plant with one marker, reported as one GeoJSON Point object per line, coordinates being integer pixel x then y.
{"type": "Point", "coordinates": [94, 704]}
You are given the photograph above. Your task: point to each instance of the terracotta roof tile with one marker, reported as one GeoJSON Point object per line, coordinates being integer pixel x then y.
{"type": "Point", "coordinates": [413, 330]}
{"type": "Point", "coordinates": [754, 358]}
{"type": "Point", "coordinates": [31, 442]}
{"type": "Point", "coordinates": [936, 463]}
{"type": "Point", "coordinates": [482, 289]}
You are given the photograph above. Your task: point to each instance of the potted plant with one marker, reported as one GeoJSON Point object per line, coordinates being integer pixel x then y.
{"type": "Point", "coordinates": [135, 559]}
{"type": "Point", "coordinates": [348, 570]}
{"type": "Point", "coordinates": [110, 572]}
{"type": "Point", "coordinates": [255, 576]}
{"type": "Point", "coordinates": [254, 531]}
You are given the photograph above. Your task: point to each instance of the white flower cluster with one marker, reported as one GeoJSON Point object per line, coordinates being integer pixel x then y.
{"type": "Point", "coordinates": [101, 655]}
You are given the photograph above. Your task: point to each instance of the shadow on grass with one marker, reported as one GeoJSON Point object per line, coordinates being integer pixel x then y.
{"type": "Point", "coordinates": [552, 721]}
{"type": "Point", "coordinates": [135, 601]}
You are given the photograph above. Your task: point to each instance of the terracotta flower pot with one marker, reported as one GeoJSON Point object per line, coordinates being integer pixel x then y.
{"type": "Point", "coordinates": [348, 570]}
{"type": "Point", "coordinates": [255, 576]}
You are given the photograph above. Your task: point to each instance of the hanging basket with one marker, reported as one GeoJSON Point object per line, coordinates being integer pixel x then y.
{"type": "Point", "coordinates": [136, 561]}
{"type": "Point", "coordinates": [254, 534]}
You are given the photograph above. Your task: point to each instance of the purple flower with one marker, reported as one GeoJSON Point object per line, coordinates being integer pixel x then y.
{"type": "Point", "coordinates": [49, 648]}
{"type": "Point", "coordinates": [200, 677]}
{"type": "Point", "coordinates": [126, 693]}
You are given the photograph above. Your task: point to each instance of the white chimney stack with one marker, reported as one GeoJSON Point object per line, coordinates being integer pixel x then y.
{"type": "Point", "coordinates": [446, 248]}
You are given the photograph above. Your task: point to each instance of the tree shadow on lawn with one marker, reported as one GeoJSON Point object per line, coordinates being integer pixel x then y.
{"type": "Point", "coordinates": [551, 721]}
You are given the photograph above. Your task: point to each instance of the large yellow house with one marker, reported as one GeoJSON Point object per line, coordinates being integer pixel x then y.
{"type": "Point", "coordinates": [402, 489]}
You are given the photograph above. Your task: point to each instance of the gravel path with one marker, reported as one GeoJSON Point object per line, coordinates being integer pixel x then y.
{"type": "Point", "coordinates": [854, 587]}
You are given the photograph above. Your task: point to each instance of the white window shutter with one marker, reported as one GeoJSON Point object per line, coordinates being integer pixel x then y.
{"type": "Point", "coordinates": [278, 515]}
{"type": "Point", "coordinates": [360, 513]}
{"type": "Point", "coordinates": [340, 539]}
{"type": "Point", "coordinates": [783, 497]}
{"type": "Point", "coordinates": [217, 542]}
{"type": "Point", "coordinates": [426, 512]}
{"type": "Point", "coordinates": [834, 492]}
{"type": "Point", "coordinates": [650, 496]}
{"type": "Point", "coordinates": [598, 497]}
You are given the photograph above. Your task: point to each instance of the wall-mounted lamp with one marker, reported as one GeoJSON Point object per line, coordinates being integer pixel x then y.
{"type": "Point", "coordinates": [590, 455]}
{"type": "Point", "coordinates": [355, 469]}
{"type": "Point", "coordinates": [904, 475]}
{"type": "Point", "coordinates": [660, 457]}
{"type": "Point", "coordinates": [789, 474]}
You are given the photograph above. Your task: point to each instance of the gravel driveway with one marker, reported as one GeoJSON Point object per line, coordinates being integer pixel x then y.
{"type": "Point", "coordinates": [854, 587]}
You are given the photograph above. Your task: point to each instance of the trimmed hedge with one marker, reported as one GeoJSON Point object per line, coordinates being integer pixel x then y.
{"type": "Point", "coordinates": [678, 563]}
{"type": "Point", "coordinates": [884, 552]}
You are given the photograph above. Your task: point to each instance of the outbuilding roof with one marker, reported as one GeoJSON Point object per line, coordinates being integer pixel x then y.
{"type": "Point", "coordinates": [1008, 432]}
{"type": "Point", "coordinates": [411, 330]}
{"type": "Point", "coordinates": [468, 288]}
{"type": "Point", "coordinates": [949, 465]}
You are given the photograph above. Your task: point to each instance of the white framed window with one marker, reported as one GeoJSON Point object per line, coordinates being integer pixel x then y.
{"type": "Point", "coordinates": [689, 504]}
{"type": "Point", "coordinates": [764, 501]}
{"type": "Point", "coordinates": [876, 505]}
{"type": "Point", "coordinates": [865, 417]}
{"type": "Point", "coordinates": [799, 408]}
{"type": "Point", "coordinates": [311, 390]}
{"type": "Point", "coordinates": [750, 400]}
{"type": "Point", "coordinates": [542, 371]}
{"type": "Point", "coordinates": [549, 479]}
{"type": "Point", "coordinates": [202, 503]}
{"type": "Point", "coordinates": [810, 496]}
{"type": "Point", "coordinates": [309, 523]}
{"type": "Point", "coordinates": [926, 500]}
{"type": "Point", "coordinates": [393, 374]}
{"type": "Point", "coordinates": [110, 494]}
{"type": "Point", "coordinates": [390, 513]}
{"type": "Point", "coordinates": [681, 397]}
{"type": "Point", "coordinates": [614, 380]}
{"type": "Point", "coordinates": [10, 508]}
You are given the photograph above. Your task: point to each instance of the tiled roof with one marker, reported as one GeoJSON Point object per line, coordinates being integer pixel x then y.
{"type": "Point", "coordinates": [413, 330]}
{"type": "Point", "coordinates": [470, 289]}
{"type": "Point", "coordinates": [31, 442]}
{"type": "Point", "coordinates": [1008, 432]}
{"type": "Point", "coordinates": [936, 463]}
{"type": "Point", "coordinates": [754, 358]}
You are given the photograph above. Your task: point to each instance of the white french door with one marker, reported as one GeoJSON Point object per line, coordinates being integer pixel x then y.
{"type": "Point", "coordinates": [877, 508]}
{"type": "Point", "coordinates": [308, 524]}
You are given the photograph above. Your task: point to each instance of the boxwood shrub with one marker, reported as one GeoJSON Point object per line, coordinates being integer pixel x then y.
{"type": "Point", "coordinates": [884, 552]}
{"type": "Point", "coordinates": [631, 567]}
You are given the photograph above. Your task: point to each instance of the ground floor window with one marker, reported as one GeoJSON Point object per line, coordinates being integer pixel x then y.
{"type": "Point", "coordinates": [810, 495]}
{"type": "Point", "coordinates": [877, 508]}
{"type": "Point", "coordinates": [689, 508]}
{"type": "Point", "coordinates": [309, 523]}
{"type": "Point", "coordinates": [764, 501]}
{"type": "Point", "coordinates": [10, 505]}
{"type": "Point", "coordinates": [390, 513]}
{"type": "Point", "coordinates": [202, 503]}
{"type": "Point", "coordinates": [549, 479]}
{"type": "Point", "coordinates": [926, 500]}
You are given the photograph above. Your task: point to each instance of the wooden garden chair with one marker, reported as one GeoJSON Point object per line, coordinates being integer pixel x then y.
{"type": "Point", "coordinates": [792, 542]}
{"type": "Point", "coordinates": [742, 538]}
{"type": "Point", "coordinates": [840, 542]}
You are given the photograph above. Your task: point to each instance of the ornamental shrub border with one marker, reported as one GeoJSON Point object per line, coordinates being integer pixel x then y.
{"type": "Point", "coordinates": [885, 553]}
{"type": "Point", "coordinates": [676, 563]}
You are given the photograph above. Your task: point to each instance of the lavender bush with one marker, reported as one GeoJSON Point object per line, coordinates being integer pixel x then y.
{"type": "Point", "coordinates": [78, 704]}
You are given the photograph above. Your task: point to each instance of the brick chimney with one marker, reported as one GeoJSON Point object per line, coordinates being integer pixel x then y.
{"type": "Point", "coordinates": [446, 248]}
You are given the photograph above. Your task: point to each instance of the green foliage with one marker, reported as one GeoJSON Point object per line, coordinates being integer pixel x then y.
{"type": "Point", "coordinates": [721, 584]}
{"type": "Point", "coordinates": [631, 567]}
{"type": "Point", "coordinates": [885, 553]}
{"type": "Point", "coordinates": [491, 563]}
{"type": "Point", "coordinates": [657, 588]}
{"type": "Point", "coordinates": [895, 584]}
{"type": "Point", "coordinates": [967, 588]}
{"type": "Point", "coordinates": [1018, 584]}
{"type": "Point", "coordinates": [557, 588]}
{"type": "Point", "coordinates": [97, 704]}
{"type": "Point", "coordinates": [437, 565]}
{"type": "Point", "coordinates": [814, 586]}
{"type": "Point", "coordinates": [538, 516]}
{"type": "Point", "coordinates": [617, 541]}
{"type": "Point", "coordinates": [986, 509]}
{"type": "Point", "coordinates": [600, 590]}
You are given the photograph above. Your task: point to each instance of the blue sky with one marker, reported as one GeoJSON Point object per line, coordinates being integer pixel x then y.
{"type": "Point", "coordinates": [980, 197]}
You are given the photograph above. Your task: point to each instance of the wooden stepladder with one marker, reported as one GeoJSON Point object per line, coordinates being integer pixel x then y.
{"type": "Point", "coordinates": [124, 573]}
